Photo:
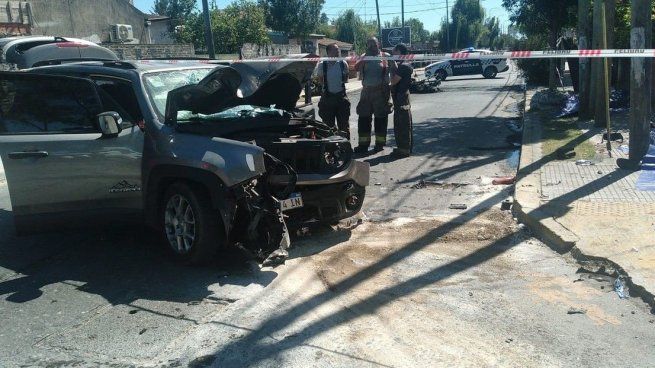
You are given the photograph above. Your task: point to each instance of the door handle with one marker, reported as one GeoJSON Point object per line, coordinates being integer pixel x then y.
{"type": "Point", "coordinates": [27, 154]}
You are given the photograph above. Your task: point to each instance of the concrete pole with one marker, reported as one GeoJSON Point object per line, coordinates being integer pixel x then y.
{"type": "Point", "coordinates": [598, 91]}
{"type": "Point", "coordinates": [584, 31]}
{"type": "Point", "coordinates": [402, 14]}
{"type": "Point", "coordinates": [377, 9]}
{"type": "Point", "coordinates": [447, 27]}
{"type": "Point", "coordinates": [640, 80]}
{"type": "Point", "coordinates": [209, 36]}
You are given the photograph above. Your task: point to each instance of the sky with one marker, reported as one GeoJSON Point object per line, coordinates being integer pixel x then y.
{"type": "Point", "coordinates": [430, 12]}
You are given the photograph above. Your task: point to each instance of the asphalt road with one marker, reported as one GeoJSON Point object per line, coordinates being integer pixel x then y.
{"type": "Point", "coordinates": [417, 284]}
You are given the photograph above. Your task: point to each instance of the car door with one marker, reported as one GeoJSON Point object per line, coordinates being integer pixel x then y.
{"type": "Point", "coordinates": [56, 160]}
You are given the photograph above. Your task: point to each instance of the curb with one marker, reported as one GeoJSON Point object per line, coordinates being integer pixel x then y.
{"type": "Point", "coordinates": [527, 210]}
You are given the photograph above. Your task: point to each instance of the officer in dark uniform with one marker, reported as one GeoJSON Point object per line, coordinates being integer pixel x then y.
{"type": "Point", "coordinates": [402, 114]}
{"type": "Point", "coordinates": [334, 103]}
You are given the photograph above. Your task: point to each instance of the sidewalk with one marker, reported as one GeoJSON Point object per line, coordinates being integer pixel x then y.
{"type": "Point", "coordinates": [595, 212]}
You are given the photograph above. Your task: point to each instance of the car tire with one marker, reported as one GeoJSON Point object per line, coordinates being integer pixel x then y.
{"type": "Point", "coordinates": [190, 226]}
{"type": "Point", "coordinates": [442, 74]}
{"type": "Point", "coordinates": [490, 73]}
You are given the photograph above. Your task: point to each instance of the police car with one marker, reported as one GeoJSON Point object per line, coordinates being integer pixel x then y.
{"type": "Point", "coordinates": [489, 68]}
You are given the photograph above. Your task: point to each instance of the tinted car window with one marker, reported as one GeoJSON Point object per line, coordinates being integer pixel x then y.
{"type": "Point", "coordinates": [30, 104]}
{"type": "Point", "coordinates": [120, 97]}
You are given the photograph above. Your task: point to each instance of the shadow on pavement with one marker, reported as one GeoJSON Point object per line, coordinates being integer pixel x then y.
{"type": "Point", "coordinates": [122, 265]}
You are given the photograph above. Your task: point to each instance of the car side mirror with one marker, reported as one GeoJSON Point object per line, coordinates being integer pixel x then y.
{"type": "Point", "coordinates": [110, 123]}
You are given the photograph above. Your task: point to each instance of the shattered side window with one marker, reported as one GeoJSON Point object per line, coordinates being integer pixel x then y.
{"type": "Point", "coordinates": [30, 105]}
{"type": "Point", "coordinates": [160, 83]}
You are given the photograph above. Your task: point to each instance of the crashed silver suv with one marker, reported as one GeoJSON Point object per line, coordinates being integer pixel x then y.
{"type": "Point", "coordinates": [209, 155]}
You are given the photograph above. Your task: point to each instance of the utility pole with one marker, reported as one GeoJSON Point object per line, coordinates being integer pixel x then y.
{"type": "Point", "coordinates": [447, 27]}
{"type": "Point", "coordinates": [604, 94]}
{"type": "Point", "coordinates": [209, 37]}
{"type": "Point", "coordinates": [640, 80]}
{"type": "Point", "coordinates": [584, 27]}
{"type": "Point", "coordinates": [402, 14]}
{"type": "Point", "coordinates": [599, 95]}
{"type": "Point", "coordinates": [377, 10]}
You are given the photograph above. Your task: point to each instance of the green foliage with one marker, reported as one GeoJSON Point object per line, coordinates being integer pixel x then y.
{"type": "Point", "coordinates": [466, 28]}
{"type": "Point", "coordinates": [535, 71]}
{"type": "Point", "coordinates": [178, 10]}
{"type": "Point", "coordinates": [294, 17]}
{"type": "Point", "coordinates": [242, 21]}
{"type": "Point", "coordinates": [351, 28]}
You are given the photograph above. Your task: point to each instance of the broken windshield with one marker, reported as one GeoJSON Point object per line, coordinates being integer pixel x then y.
{"type": "Point", "coordinates": [234, 113]}
{"type": "Point", "coordinates": [158, 84]}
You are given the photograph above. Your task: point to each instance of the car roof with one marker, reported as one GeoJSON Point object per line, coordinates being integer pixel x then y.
{"type": "Point", "coordinates": [122, 68]}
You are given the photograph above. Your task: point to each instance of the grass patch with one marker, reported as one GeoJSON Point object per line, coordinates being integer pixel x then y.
{"type": "Point", "coordinates": [558, 133]}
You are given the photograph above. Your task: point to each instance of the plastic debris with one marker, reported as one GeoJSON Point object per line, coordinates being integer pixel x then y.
{"type": "Point", "coordinates": [505, 180]}
{"type": "Point", "coordinates": [624, 148]}
{"type": "Point", "coordinates": [619, 287]}
{"type": "Point", "coordinates": [584, 163]}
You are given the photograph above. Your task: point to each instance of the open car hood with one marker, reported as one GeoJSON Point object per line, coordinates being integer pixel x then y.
{"type": "Point", "coordinates": [243, 83]}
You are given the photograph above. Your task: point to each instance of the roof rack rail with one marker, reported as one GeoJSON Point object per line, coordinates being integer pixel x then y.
{"type": "Point", "coordinates": [67, 61]}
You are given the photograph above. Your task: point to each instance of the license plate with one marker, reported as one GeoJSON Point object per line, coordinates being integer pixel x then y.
{"type": "Point", "coordinates": [294, 201]}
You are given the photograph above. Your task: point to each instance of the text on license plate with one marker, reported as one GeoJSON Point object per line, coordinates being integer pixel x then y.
{"type": "Point", "coordinates": [294, 201]}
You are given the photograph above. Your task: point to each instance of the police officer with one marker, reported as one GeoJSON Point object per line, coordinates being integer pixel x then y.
{"type": "Point", "coordinates": [334, 103]}
{"type": "Point", "coordinates": [374, 100]}
{"type": "Point", "coordinates": [402, 114]}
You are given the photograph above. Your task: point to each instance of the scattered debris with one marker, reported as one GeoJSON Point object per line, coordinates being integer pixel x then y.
{"type": "Point", "coordinates": [143, 331]}
{"type": "Point", "coordinates": [470, 293]}
{"type": "Point", "coordinates": [614, 137]}
{"type": "Point", "coordinates": [276, 258]}
{"type": "Point", "coordinates": [553, 184]}
{"type": "Point", "coordinates": [619, 287]}
{"type": "Point", "coordinates": [505, 180]}
{"type": "Point", "coordinates": [578, 280]}
{"type": "Point", "coordinates": [133, 311]}
{"type": "Point", "coordinates": [455, 206]}
{"type": "Point", "coordinates": [378, 184]}
{"type": "Point", "coordinates": [422, 184]}
{"type": "Point", "coordinates": [509, 340]}
{"type": "Point", "coordinates": [506, 205]}
{"type": "Point", "coordinates": [584, 163]}
{"type": "Point", "coordinates": [574, 310]}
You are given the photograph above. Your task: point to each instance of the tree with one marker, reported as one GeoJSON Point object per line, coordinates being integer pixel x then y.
{"type": "Point", "coordinates": [466, 26]}
{"type": "Point", "coordinates": [240, 22]}
{"type": "Point", "coordinates": [541, 21]}
{"type": "Point", "coordinates": [351, 28]}
{"type": "Point", "coordinates": [294, 17]}
{"type": "Point", "coordinates": [178, 10]}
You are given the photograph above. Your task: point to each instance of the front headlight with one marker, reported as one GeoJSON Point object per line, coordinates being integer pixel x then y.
{"type": "Point", "coordinates": [336, 156]}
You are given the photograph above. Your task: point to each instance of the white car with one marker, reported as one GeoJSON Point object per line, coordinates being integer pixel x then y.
{"type": "Point", "coordinates": [489, 68]}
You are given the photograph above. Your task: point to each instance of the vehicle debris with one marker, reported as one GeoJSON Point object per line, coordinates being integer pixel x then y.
{"type": "Point", "coordinates": [422, 184]}
{"type": "Point", "coordinates": [504, 180]}
{"type": "Point", "coordinates": [456, 206]}
{"type": "Point", "coordinates": [574, 310]}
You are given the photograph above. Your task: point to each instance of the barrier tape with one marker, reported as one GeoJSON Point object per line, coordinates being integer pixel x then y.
{"type": "Point", "coordinates": [548, 54]}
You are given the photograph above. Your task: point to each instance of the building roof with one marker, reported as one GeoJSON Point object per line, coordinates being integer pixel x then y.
{"type": "Point", "coordinates": [156, 17]}
{"type": "Point", "coordinates": [342, 45]}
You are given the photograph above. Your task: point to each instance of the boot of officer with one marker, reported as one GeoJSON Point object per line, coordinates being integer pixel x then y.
{"type": "Point", "coordinates": [334, 103]}
{"type": "Point", "coordinates": [374, 98]}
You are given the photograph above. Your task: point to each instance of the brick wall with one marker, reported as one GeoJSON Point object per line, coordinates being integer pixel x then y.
{"type": "Point", "coordinates": [143, 51]}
